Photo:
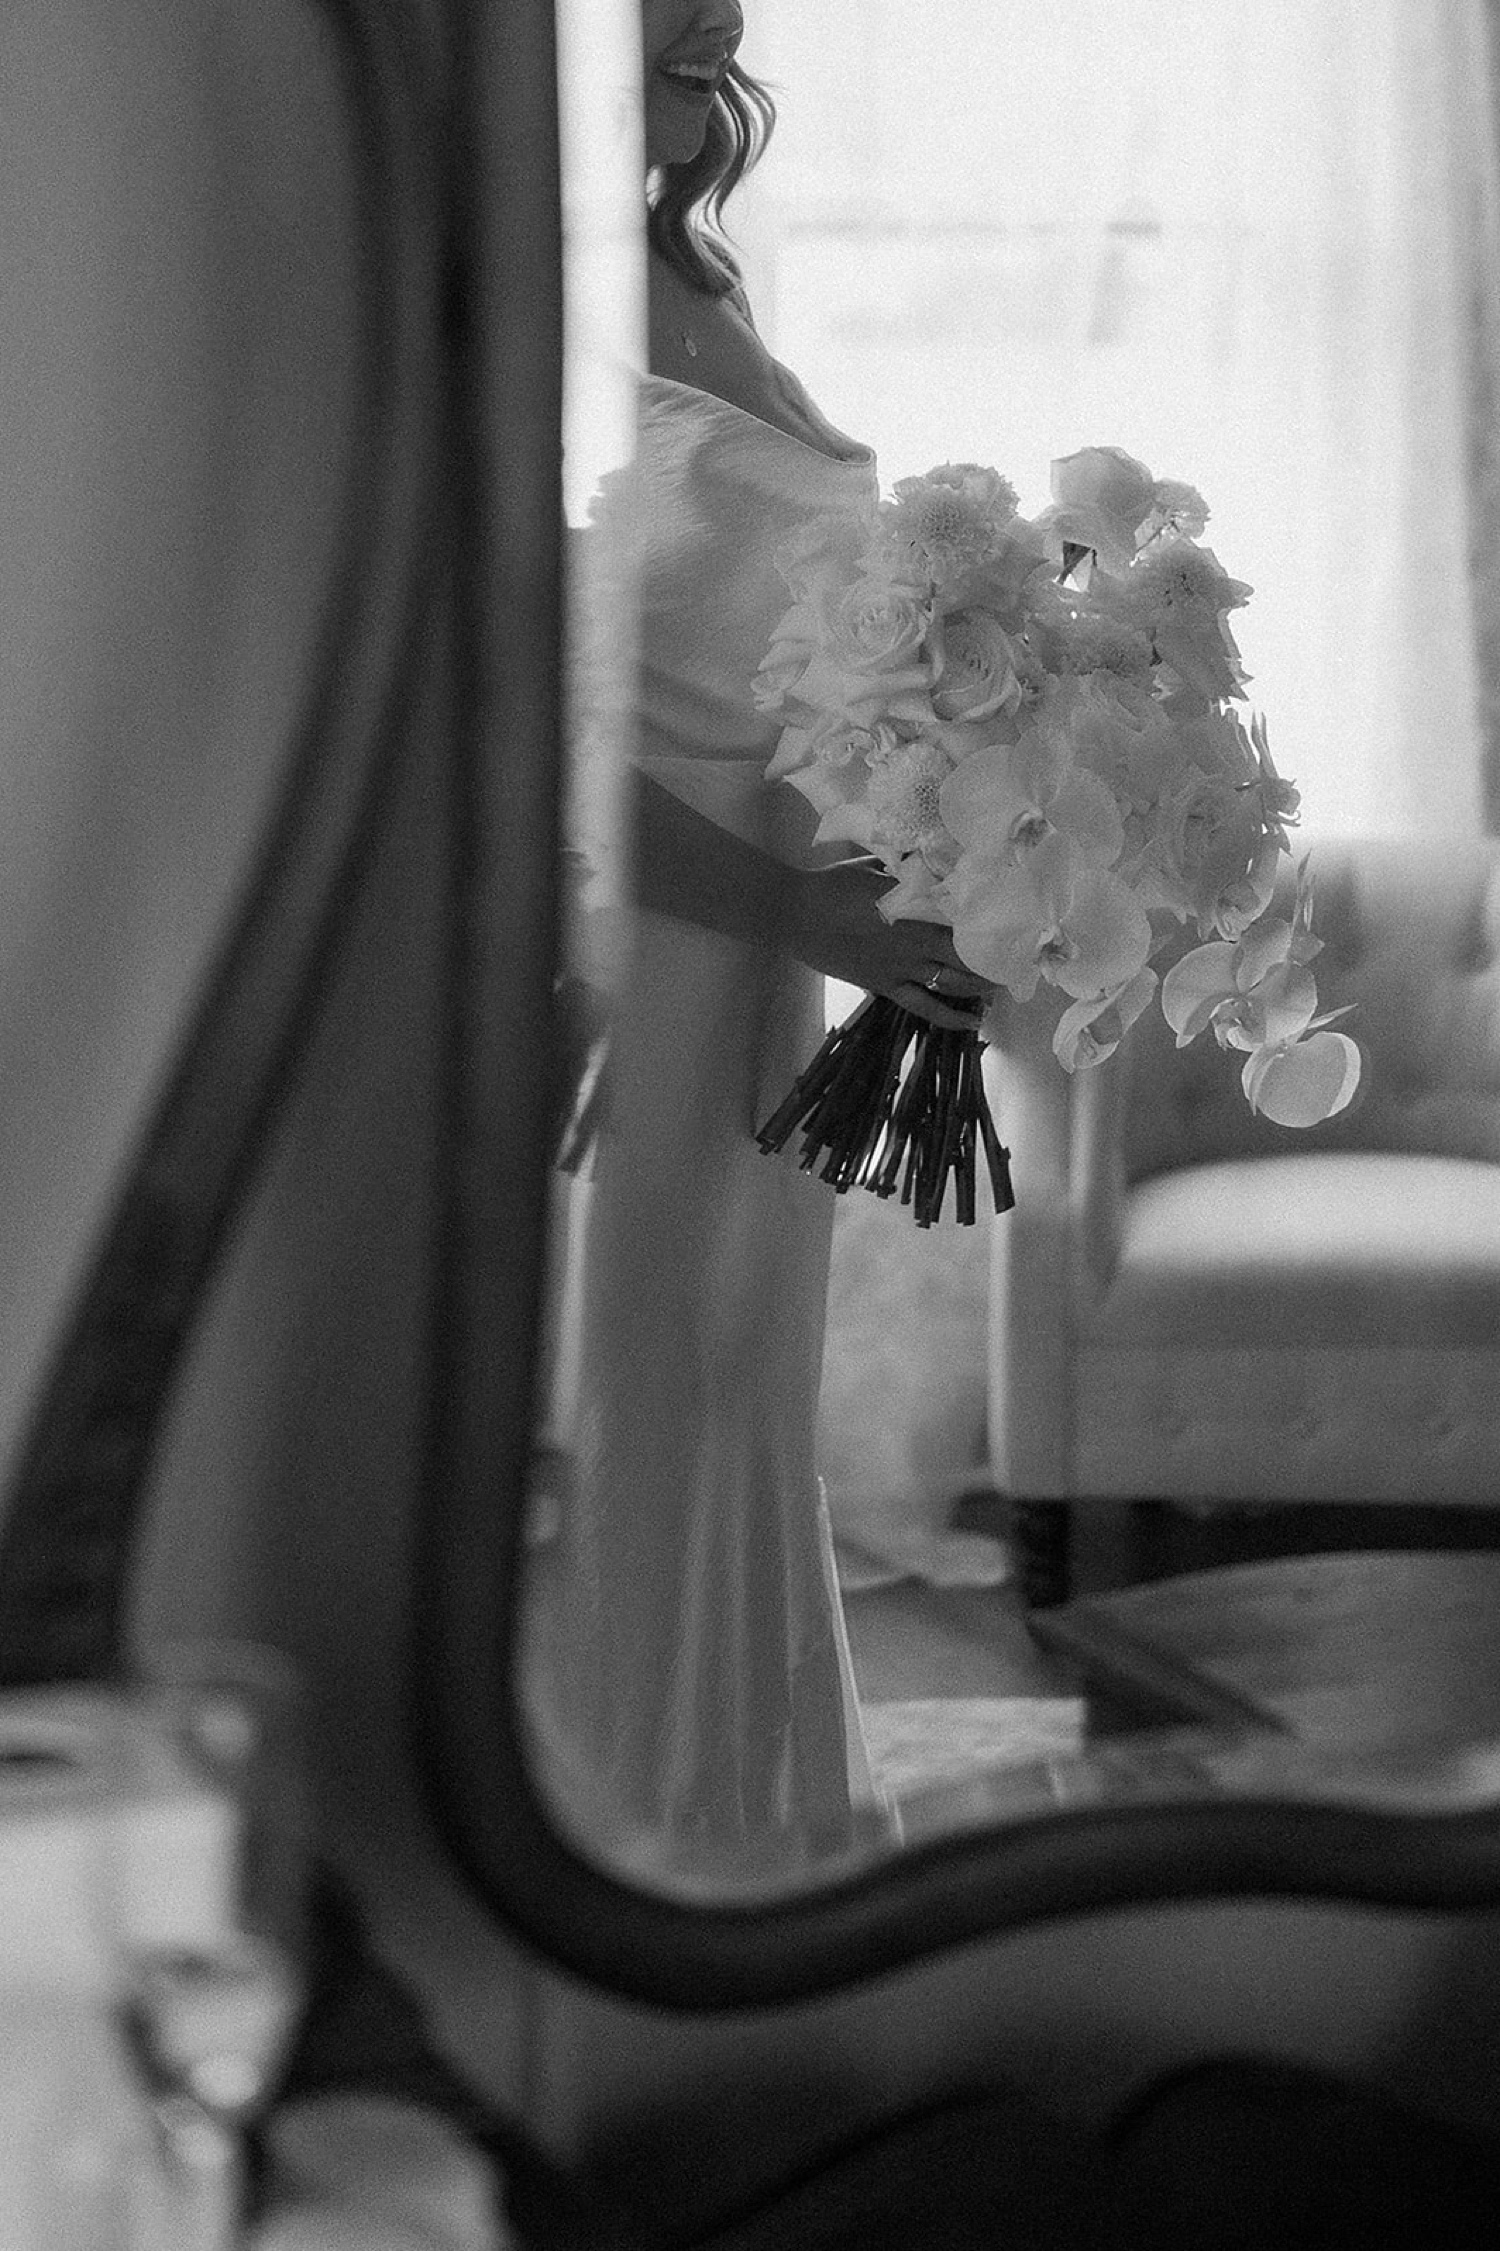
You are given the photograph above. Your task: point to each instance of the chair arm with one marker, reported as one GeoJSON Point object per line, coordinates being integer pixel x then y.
{"type": "Point", "coordinates": [1097, 1183]}
{"type": "Point", "coordinates": [1033, 1259]}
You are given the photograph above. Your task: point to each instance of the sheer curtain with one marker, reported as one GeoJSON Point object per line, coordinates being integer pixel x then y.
{"type": "Point", "coordinates": [1253, 241]}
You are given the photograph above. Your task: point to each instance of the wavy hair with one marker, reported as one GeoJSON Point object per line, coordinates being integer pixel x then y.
{"type": "Point", "coordinates": [686, 201]}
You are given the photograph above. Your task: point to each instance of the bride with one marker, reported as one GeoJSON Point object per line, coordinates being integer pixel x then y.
{"type": "Point", "coordinates": [697, 1713]}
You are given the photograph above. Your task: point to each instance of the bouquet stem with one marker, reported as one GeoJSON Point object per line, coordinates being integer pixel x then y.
{"type": "Point", "coordinates": [895, 1104]}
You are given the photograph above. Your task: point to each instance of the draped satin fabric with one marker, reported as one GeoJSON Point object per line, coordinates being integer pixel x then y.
{"type": "Point", "coordinates": [690, 1687]}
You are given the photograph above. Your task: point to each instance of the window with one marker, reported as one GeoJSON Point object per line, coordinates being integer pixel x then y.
{"type": "Point", "coordinates": [1245, 240]}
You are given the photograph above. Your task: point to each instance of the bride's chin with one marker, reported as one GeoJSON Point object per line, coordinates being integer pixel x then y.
{"type": "Point", "coordinates": [671, 149]}
{"type": "Point", "coordinates": [673, 138]}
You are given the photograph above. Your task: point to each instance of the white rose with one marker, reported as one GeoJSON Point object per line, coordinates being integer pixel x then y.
{"type": "Point", "coordinates": [876, 627]}
{"type": "Point", "coordinates": [973, 666]}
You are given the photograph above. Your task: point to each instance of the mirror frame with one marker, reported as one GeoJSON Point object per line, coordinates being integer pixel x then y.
{"type": "Point", "coordinates": [639, 1945]}
{"type": "Point", "coordinates": [460, 411]}
{"type": "Point", "coordinates": [80, 1479]}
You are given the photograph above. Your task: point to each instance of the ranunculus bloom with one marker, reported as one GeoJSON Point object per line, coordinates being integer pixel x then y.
{"type": "Point", "coordinates": [1100, 496]}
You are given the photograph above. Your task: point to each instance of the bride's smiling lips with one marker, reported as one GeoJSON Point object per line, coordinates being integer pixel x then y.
{"type": "Point", "coordinates": [689, 47]}
{"type": "Point", "coordinates": [694, 78]}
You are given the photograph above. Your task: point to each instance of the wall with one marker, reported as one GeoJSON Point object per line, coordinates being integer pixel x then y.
{"type": "Point", "coordinates": [176, 294]}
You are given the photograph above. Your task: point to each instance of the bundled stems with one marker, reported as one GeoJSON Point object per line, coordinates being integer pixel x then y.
{"type": "Point", "coordinates": [891, 1102]}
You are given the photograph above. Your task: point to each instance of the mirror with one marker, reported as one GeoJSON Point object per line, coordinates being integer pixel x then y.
{"type": "Point", "coordinates": [691, 1689]}
{"type": "Point", "coordinates": [460, 397]}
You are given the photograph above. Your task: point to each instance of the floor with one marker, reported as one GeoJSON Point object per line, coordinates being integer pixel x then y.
{"type": "Point", "coordinates": [909, 1639]}
{"type": "Point", "coordinates": [913, 1642]}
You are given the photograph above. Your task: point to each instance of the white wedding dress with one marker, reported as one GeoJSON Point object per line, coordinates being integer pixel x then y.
{"type": "Point", "coordinates": [691, 1692]}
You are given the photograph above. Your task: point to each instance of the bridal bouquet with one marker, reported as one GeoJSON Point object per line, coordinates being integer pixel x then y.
{"type": "Point", "coordinates": [1031, 724]}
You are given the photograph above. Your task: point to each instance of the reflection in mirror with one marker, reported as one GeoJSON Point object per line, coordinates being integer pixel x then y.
{"type": "Point", "coordinates": [693, 1699]}
{"type": "Point", "coordinates": [777, 1624]}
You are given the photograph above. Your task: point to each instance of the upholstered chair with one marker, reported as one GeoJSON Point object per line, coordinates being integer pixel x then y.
{"type": "Point", "coordinates": [1194, 1305]}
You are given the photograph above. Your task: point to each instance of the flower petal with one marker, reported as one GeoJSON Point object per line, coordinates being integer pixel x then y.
{"type": "Point", "coordinates": [1089, 1032]}
{"type": "Point", "coordinates": [1106, 937]}
{"type": "Point", "coordinates": [793, 752]}
{"type": "Point", "coordinates": [1283, 1004]}
{"type": "Point", "coordinates": [1084, 807]}
{"type": "Point", "coordinates": [1194, 986]}
{"type": "Point", "coordinates": [991, 789]}
{"type": "Point", "coordinates": [1001, 912]}
{"type": "Point", "coordinates": [1303, 1083]}
{"type": "Point", "coordinates": [916, 895]}
{"type": "Point", "coordinates": [1264, 947]}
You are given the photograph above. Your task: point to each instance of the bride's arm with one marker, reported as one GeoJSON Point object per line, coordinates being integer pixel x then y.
{"type": "Point", "coordinates": [688, 867]}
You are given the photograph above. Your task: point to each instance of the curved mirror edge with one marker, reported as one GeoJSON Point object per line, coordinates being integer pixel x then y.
{"type": "Point", "coordinates": [959, 1889]}
{"type": "Point", "coordinates": [1281, 1836]}
{"type": "Point", "coordinates": [202, 909]}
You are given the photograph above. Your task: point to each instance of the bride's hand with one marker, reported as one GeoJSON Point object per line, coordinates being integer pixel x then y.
{"type": "Point", "coordinates": [836, 928]}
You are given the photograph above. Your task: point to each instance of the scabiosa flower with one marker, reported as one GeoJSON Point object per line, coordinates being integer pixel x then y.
{"type": "Point", "coordinates": [904, 799]}
{"type": "Point", "coordinates": [949, 522]}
